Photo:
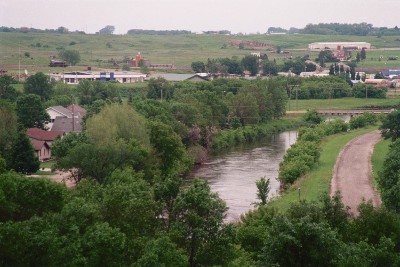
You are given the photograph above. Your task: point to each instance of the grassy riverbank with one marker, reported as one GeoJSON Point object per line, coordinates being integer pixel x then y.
{"type": "Point", "coordinates": [316, 183]}
{"type": "Point", "coordinates": [381, 149]}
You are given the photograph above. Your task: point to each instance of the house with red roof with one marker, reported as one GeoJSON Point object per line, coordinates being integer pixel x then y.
{"type": "Point", "coordinates": [41, 141]}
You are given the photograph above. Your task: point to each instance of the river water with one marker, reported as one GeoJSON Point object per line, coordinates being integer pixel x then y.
{"type": "Point", "coordinates": [233, 174]}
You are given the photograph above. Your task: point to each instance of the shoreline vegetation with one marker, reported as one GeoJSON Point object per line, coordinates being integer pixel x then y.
{"type": "Point", "coordinates": [316, 183]}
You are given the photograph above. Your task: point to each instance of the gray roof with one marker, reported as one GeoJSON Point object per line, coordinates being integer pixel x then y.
{"type": "Point", "coordinates": [65, 124]}
{"type": "Point", "coordinates": [175, 77]}
{"type": "Point", "coordinates": [60, 109]}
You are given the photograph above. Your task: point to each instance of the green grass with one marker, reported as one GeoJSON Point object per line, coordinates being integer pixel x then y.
{"type": "Point", "coordinates": [180, 50]}
{"type": "Point", "coordinates": [381, 149]}
{"type": "Point", "coordinates": [340, 103]}
{"type": "Point", "coordinates": [47, 164]}
{"type": "Point", "coordinates": [317, 182]}
{"type": "Point", "coordinates": [44, 173]}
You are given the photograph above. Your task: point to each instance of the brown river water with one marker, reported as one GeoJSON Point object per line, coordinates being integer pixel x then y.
{"type": "Point", "coordinates": [233, 174]}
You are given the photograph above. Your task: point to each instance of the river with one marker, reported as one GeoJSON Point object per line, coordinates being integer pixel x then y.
{"type": "Point", "coordinates": [233, 175]}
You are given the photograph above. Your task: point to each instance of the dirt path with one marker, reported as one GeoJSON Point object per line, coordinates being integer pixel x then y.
{"type": "Point", "coordinates": [353, 172]}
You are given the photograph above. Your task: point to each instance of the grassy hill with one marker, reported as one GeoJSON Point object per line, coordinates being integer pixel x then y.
{"type": "Point", "coordinates": [99, 50]}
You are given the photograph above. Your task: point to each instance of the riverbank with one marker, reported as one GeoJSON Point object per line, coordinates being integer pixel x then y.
{"type": "Point", "coordinates": [229, 138]}
{"type": "Point", "coordinates": [316, 183]}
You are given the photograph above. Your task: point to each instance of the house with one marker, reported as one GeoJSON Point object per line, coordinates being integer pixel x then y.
{"type": "Point", "coordinates": [67, 125]}
{"type": "Point", "coordinates": [73, 111]}
{"type": "Point", "coordinates": [42, 140]}
{"type": "Point", "coordinates": [42, 149]}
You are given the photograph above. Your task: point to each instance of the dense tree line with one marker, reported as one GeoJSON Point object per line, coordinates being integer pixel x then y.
{"type": "Point", "coordinates": [158, 32]}
{"type": "Point", "coordinates": [359, 29]}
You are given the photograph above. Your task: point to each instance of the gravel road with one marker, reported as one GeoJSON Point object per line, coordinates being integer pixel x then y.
{"type": "Point", "coordinates": [353, 172]}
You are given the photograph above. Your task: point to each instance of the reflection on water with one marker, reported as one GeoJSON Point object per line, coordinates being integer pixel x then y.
{"type": "Point", "coordinates": [234, 174]}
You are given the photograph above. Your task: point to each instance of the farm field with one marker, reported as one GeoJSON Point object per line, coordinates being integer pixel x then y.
{"type": "Point", "coordinates": [33, 50]}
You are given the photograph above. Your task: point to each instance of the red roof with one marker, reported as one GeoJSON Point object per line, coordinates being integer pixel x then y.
{"type": "Point", "coordinates": [43, 135]}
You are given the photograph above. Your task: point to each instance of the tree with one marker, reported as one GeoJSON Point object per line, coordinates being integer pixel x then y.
{"type": "Point", "coordinates": [162, 252]}
{"type": "Point", "coordinates": [31, 112]}
{"type": "Point", "coordinates": [197, 223]}
{"type": "Point", "coordinates": [198, 66]}
{"type": "Point", "coordinates": [7, 91]}
{"type": "Point", "coordinates": [358, 57]}
{"type": "Point", "coordinates": [262, 190]}
{"type": "Point", "coordinates": [72, 57]}
{"type": "Point", "coordinates": [270, 68]}
{"type": "Point", "coordinates": [115, 122]}
{"type": "Point", "coordinates": [331, 70]}
{"type": "Point", "coordinates": [109, 29]}
{"type": "Point", "coordinates": [159, 89]}
{"type": "Point", "coordinates": [62, 29]}
{"type": "Point", "coordinates": [40, 85]}
{"type": "Point", "coordinates": [391, 125]}
{"type": "Point", "coordinates": [22, 157]}
{"type": "Point", "coordinates": [363, 54]}
{"type": "Point", "coordinates": [250, 63]}
{"type": "Point", "coordinates": [8, 126]}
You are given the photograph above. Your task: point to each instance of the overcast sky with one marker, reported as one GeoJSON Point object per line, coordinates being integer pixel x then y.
{"type": "Point", "coordinates": [234, 15]}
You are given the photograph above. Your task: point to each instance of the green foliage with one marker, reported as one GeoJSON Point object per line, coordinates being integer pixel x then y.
{"type": "Point", "coordinates": [368, 91]}
{"type": "Point", "coordinates": [162, 252]}
{"type": "Point", "coordinates": [391, 125]}
{"type": "Point", "coordinates": [169, 149]}
{"type": "Point", "coordinates": [303, 155]}
{"type": "Point", "coordinates": [7, 91]}
{"type": "Point", "coordinates": [389, 178]}
{"type": "Point", "coordinates": [312, 117]}
{"type": "Point", "coordinates": [21, 197]}
{"type": "Point", "coordinates": [363, 120]}
{"type": "Point", "coordinates": [72, 57]}
{"type": "Point", "coordinates": [115, 122]}
{"type": "Point", "coordinates": [40, 85]}
{"type": "Point", "coordinates": [197, 225]}
{"type": "Point", "coordinates": [22, 157]}
{"type": "Point", "coordinates": [31, 112]}
{"type": "Point", "coordinates": [198, 66]}
{"type": "Point", "coordinates": [159, 89]}
{"type": "Point", "coordinates": [250, 63]}
{"type": "Point", "coordinates": [262, 190]}
{"type": "Point", "coordinates": [8, 126]}
{"type": "Point", "coordinates": [61, 146]}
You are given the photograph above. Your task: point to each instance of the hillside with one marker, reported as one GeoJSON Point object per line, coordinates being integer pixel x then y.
{"type": "Point", "coordinates": [99, 51]}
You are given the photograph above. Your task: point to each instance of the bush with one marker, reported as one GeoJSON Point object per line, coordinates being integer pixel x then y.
{"type": "Point", "coordinates": [363, 120]}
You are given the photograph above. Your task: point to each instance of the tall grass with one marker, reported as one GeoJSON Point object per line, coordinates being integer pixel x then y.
{"type": "Point", "coordinates": [381, 149]}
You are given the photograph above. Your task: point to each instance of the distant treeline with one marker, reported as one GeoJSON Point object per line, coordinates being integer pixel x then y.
{"type": "Point", "coordinates": [360, 29]}
{"type": "Point", "coordinates": [26, 29]}
{"type": "Point", "coordinates": [158, 32]}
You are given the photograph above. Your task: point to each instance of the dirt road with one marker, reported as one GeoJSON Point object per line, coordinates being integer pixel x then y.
{"type": "Point", "coordinates": [353, 172]}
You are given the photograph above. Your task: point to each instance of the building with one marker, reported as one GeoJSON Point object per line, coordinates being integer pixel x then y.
{"type": "Point", "coordinates": [339, 46]}
{"type": "Point", "coordinates": [119, 76]}
{"type": "Point", "coordinates": [42, 140]}
{"type": "Point", "coordinates": [66, 119]}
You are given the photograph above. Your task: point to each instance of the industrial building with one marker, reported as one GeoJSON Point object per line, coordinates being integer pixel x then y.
{"type": "Point", "coordinates": [339, 46]}
{"type": "Point", "coordinates": [119, 76]}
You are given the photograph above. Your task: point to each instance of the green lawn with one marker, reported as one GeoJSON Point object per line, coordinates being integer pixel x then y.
{"type": "Point", "coordinates": [378, 157]}
{"type": "Point", "coordinates": [47, 164]}
{"type": "Point", "coordinates": [316, 183]}
{"type": "Point", "coordinates": [340, 103]}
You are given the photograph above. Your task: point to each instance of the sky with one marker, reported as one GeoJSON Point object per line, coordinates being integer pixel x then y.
{"type": "Point", "coordinates": [194, 15]}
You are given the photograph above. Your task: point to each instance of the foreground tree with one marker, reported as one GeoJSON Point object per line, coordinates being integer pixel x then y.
{"type": "Point", "coordinates": [197, 225]}
{"type": "Point", "coordinates": [8, 126]}
{"type": "Point", "coordinates": [22, 156]}
{"type": "Point", "coordinates": [391, 126]}
{"type": "Point", "coordinates": [40, 85]}
{"type": "Point", "coordinates": [31, 112]}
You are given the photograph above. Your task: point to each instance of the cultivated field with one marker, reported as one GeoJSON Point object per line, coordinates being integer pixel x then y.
{"type": "Point", "coordinates": [99, 51]}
